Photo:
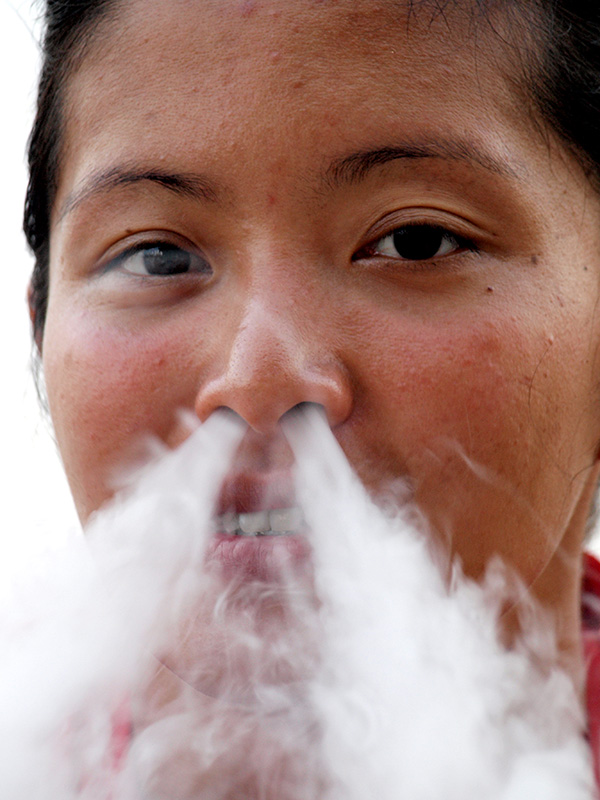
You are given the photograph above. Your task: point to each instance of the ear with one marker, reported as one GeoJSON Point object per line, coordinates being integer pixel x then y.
{"type": "Point", "coordinates": [37, 334]}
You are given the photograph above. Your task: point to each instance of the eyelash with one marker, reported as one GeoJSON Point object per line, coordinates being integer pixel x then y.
{"type": "Point", "coordinates": [426, 231]}
{"type": "Point", "coordinates": [162, 249]}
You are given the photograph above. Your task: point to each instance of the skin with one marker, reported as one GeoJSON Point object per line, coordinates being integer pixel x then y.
{"type": "Point", "coordinates": [472, 375]}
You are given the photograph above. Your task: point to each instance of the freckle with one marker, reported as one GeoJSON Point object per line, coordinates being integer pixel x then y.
{"type": "Point", "coordinates": [534, 259]}
{"type": "Point", "coordinates": [561, 302]}
{"type": "Point", "coordinates": [585, 269]}
{"type": "Point", "coordinates": [271, 199]}
{"type": "Point", "coordinates": [297, 84]}
{"type": "Point", "coordinates": [490, 289]}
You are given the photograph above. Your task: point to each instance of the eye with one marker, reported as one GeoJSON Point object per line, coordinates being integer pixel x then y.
{"type": "Point", "coordinates": [417, 243]}
{"type": "Point", "coordinates": [160, 259]}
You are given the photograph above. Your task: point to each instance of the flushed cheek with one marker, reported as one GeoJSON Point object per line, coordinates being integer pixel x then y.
{"type": "Point", "coordinates": [107, 389]}
{"type": "Point", "coordinates": [465, 408]}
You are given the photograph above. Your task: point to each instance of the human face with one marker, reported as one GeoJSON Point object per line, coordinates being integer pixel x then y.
{"type": "Point", "coordinates": [279, 146]}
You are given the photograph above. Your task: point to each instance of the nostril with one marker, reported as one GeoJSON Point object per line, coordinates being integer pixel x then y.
{"type": "Point", "coordinates": [230, 413]}
{"type": "Point", "coordinates": [300, 409]}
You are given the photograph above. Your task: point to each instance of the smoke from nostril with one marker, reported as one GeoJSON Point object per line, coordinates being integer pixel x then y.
{"type": "Point", "coordinates": [148, 666]}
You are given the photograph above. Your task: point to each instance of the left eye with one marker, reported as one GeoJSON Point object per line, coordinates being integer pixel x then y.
{"type": "Point", "coordinates": [418, 243]}
{"type": "Point", "coordinates": [160, 258]}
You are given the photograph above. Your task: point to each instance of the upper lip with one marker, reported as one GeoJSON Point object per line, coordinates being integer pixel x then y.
{"type": "Point", "coordinates": [245, 492]}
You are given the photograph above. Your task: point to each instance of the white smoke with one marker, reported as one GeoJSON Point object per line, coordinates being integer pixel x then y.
{"type": "Point", "coordinates": [367, 677]}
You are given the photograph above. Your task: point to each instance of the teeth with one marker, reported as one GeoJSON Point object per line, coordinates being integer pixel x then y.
{"type": "Point", "coordinates": [228, 523]}
{"type": "Point", "coordinates": [285, 519]}
{"type": "Point", "coordinates": [274, 522]}
{"type": "Point", "coordinates": [256, 522]}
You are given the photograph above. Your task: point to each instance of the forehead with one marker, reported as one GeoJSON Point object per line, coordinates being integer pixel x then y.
{"type": "Point", "coordinates": [190, 79]}
{"type": "Point", "coordinates": [315, 27]}
{"type": "Point", "coordinates": [197, 42]}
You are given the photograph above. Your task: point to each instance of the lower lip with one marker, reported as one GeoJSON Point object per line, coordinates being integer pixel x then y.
{"type": "Point", "coordinates": [264, 558]}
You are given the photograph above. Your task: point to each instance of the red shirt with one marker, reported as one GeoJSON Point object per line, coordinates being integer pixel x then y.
{"type": "Point", "coordinates": [590, 619]}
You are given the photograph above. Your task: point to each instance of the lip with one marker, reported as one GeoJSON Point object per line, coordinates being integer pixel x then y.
{"type": "Point", "coordinates": [268, 558]}
{"type": "Point", "coordinates": [271, 559]}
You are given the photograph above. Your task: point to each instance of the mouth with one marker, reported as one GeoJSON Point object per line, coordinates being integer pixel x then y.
{"type": "Point", "coordinates": [259, 531]}
{"type": "Point", "coordinates": [267, 522]}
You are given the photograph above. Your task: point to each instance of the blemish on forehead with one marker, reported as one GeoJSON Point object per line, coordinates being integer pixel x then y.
{"type": "Point", "coordinates": [248, 7]}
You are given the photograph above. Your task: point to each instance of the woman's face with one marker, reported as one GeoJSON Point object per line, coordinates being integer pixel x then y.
{"type": "Point", "coordinates": [357, 210]}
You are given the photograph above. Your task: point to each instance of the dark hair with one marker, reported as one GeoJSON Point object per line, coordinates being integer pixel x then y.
{"type": "Point", "coordinates": [559, 65]}
{"type": "Point", "coordinates": [68, 28]}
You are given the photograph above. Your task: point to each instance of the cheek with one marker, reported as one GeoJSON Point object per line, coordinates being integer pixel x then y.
{"type": "Point", "coordinates": [439, 382]}
{"type": "Point", "coordinates": [491, 420]}
{"type": "Point", "coordinates": [107, 389]}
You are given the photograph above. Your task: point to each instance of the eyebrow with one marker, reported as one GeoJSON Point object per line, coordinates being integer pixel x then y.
{"type": "Point", "coordinates": [356, 166]}
{"type": "Point", "coordinates": [346, 170]}
{"type": "Point", "coordinates": [186, 184]}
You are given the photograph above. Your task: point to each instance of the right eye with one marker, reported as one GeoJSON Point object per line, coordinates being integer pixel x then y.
{"type": "Point", "coordinates": [160, 259]}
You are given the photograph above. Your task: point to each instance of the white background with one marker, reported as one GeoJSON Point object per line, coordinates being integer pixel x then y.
{"type": "Point", "coordinates": [38, 511]}
{"type": "Point", "coordinates": [36, 506]}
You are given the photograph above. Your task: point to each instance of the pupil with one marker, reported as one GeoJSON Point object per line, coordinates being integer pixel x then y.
{"type": "Point", "coordinates": [166, 260]}
{"type": "Point", "coordinates": [418, 242]}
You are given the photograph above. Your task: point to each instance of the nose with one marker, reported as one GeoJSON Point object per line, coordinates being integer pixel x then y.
{"type": "Point", "coordinates": [270, 362]}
